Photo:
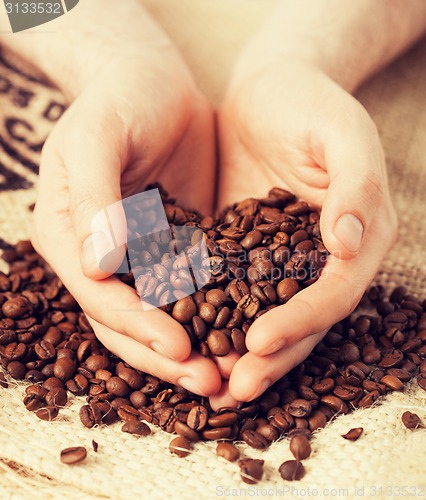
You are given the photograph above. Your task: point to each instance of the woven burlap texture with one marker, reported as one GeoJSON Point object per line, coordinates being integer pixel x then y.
{"type": "Point", "coordinates": [386, 456]}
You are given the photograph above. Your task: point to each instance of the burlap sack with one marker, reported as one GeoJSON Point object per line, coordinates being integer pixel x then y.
{"type": "Point", "coordinates": [387, 461]}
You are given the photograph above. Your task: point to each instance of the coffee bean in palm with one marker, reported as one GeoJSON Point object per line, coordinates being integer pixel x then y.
{"type": "Point", "coordinates": [411, 420]}
{"type": "Point", "coordinates": [286, 289]}
{"type": "Point", "coordinates": [218, 343]}
{"type": "Point", "coordinates": [251, 470]}
{"type": "Point", "coordinates": [353, 434]}
{"type": "Point", "coordinates": [184, 310]}
{"type": "Point", "coordinates": [300, 447]}
{"type": "Point", "coordinates": [292, 470]}
{"type": "Point", "coordinates": [227, 451]}
{"type": "Point", "coordinates": [74, 455]}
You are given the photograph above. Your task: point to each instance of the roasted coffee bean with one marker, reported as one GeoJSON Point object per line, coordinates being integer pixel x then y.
{"type": "Point", "coordinates": [411, 420]}
{"type": "Point", "coordinates": [286, 289]}
{"type": "Point", "coordinates": [335, 403]}
{"type": "Point", "coordinates": [47, 413]}
{"type": "Point", "coordinates": [3, 381]}
{"type": "Point", "coordinates": [300, 447]}
{"type": "Point", "coordinates": [316, 420]}
{"type": "Point", "coordinates": [45, 350]}
{"type": "Point", "coordinates": [392, 382]}
{"type": "Point", "coordinates": [251, 470]}
{"type": "Point", "coordinates": [56, 397]}
{"type": "Point", "coordinates": [33, 402]}
{"type": "Point", "coordinates": [180, 446]}
{"type": "Point", "coordinates": [268, 431]}
{"type": "Point", "coordinates": [16, 369]}
{"type": "Point", "coordinates": [227, 451]}
{"type": "Point", "coordinates": [217, 433]}
{"type": "Point", "coordinates": [223, 419]}
{"type": "Point", "coordinates": [325, 386]}
{"type": "Point", "coordinates": [127, 413]}
{"type": "Point", "coordinates": [64, 369]}
{"type": "Point", "coordinates": [239, 341]}
{"type": "Point", "coordinates": [300, 408]}
{"type": "Point", "coordinates": [218, 343]}
{"type": "Point", "coordinates": [249, 305]}
{"type": "Point", "coordinates": [254, 439]}
{"type": "Point", "coordinates": [17, 307]}
{"type": "Point", "coordinates": [197, 418]}
{"type": "Point", "coordinates": [184, 310]}
{"type": "Point", "coordinates": [78, 385]}
{"type": "Point", "coordinates": [117, 386]}
{"type": "Point", "coordinates": [353, 434]}
{"type": "Point", "coordinates": [90, 415]}
{"type": "Point", "coordinates": [292, 470]}
{"type": "Point", "coordinates": [136, 427]}
{"type": "Point", "coordinates": [185, 431]}
{"type": "Point", "coordinates": [74, 455]}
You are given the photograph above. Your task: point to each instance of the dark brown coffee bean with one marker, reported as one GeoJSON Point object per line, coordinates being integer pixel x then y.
{"type": "Point", "coordinates": [268, 431]}
{"type": "Point", "coordinates": [16, 369]}
{"type": "Point", "coordinates": [47, 413]}
{"type": "Point", "coordinates": [180, 446]}
{"type": "Point", "coordinates": [251, 470]}
{"type": "Point", "coordinates": [223, 419]}
{"type": "Point", "coordinates": [292, 470]}
{"type": "Point", "coordinates": [349, 352]}
{"type": "Point", "coordinates": [45, 350]}
{"type": "Point", "coordinates": [300, 447]}
{"type": "Point", "coordinates": [56, 397]}
{"type": "Point", "coordinates": [300, 408]}
{"type": "Point", "coordinates": [127, 413]}
{"type": "Point", "coordinates": [411, 420]}
{"type": "Point", "coordinates": [118, 387]}
{"type": "Point", "coordinates": [368, 399]}
{"type": "Point", "coordinates": [252, 238]}
{"type": "Point", "coordinates": [391, 357]}
{"type": "Point", "coordinates": [254, 439]}
{"type": "Point", "coordinates": [353, 434]}
{"type": "Point", "coordinates": [184, 310]}
{"type": "Point", "coordinates": [392, 382]}
{"type": "Point", "coordinates": [74, 455]}
{"type": "Point", "coordinates": [347, 392]}
{"type": "Point", "coordinates": [136, 427]}
{"type": "Point", "coordinates": [64, 369]}
{"type": "Point", "coordinates": [197, 418]}
{"type": "Point", "coordinates": [335, 403]}
{"type": "Point", "coordinates": [51, 383]}
{"type": "Point", "coordinates": [249, 305]}
{"type": "Point", "coordinates": [33, 402]}
{"type": "Point", "coordinates": [316, 420]}
{"type": "Point", "coordinates": [282, 419]}
{"type": "Point", "coordinates": [78, 385]}
{"type": "Point", "coordinates": [239, 341]}
{"type": "Point", "coordinates": [185, 431]}
{"type": "Point", "coordinates": [207, 312]}
{"type": "Point", "coordinates": [217, 433]}
{"type": "Point", "coordinates": [325, 386]}
{"type": "Point", "coordinates": [17, 307]}
{"type": "Point", "coordinates": [286, 289]}
{"type": "Point", "coordinates": [90, 415]}
{"type": "Point", "coordinates": [218, 343]}
{"type": "Point", "coordinates": [97, 362]}
{"type": "Point", "coordinates": [227, 451]}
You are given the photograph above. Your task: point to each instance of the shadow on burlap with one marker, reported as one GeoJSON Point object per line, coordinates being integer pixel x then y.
{"type": "Point", "coordinates": [387, 458]}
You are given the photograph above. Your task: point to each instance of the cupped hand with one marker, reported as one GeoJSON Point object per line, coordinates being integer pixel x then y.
{"type": "Point", "coordinates": [141, 119]}
{"type": "Point", "coordinates": [288, 124]}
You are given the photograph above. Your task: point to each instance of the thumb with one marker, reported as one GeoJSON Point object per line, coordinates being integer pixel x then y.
{"type": "Point", "coordinates": [357, 173]}
{"type": "Point", "coordinates": [94, 173]}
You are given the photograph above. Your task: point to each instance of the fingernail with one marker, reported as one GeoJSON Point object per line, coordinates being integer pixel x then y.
{"type": "Point", "coordinates": [190, 385]}
{"type": "Point", "coordinates": [348, 231]}
{"type": "Point", "coordinates": [262, 388]}
{"type": "Point", "coordinates": [161, 349]}
{"type": "Point", "coordinates": [95, 248]}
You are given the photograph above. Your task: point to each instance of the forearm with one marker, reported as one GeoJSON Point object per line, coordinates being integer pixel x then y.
{"type": "Point", "coordinates": [73, 48]}
{"type": "Point", "coordinates": [349, 40]}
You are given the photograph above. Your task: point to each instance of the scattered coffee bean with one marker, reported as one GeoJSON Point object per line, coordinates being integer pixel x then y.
{"type": "Point", "coordinates": [75, 455]}
{"type": "Point", "coordinates": [180, 446]}
{"type": "Point", "coordinates": [47, 413]}
{"type": "Point", "coordinates": [227, 451]}
{"type": "Point", "coordinates": [292, 470]}
{"type": "Point", "coordinates": [251, 470]}
{"type": "Point", "coordinates": [353, 434]}
{"type": "Point", "coordinates": [95, 446]}
{"type": "Point", "coordinates": [411, 420]}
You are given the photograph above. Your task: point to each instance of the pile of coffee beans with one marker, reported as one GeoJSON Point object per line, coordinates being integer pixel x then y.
{"type": "Point", "coordinates": [46, 340]}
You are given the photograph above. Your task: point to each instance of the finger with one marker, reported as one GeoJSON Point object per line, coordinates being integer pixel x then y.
{"type": "Point", "coordinates": [223, 398]}
{"type": "Point", "coordinates": [226, 363]}
{"type": "Point", "coordinates": [253, 374]}
{"type": "Point", "coordinates": [355, 163]}
{"type": "Point", "coordinates": [93, 157]}
{"type": "Point", "coordinates": [196, 374]}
